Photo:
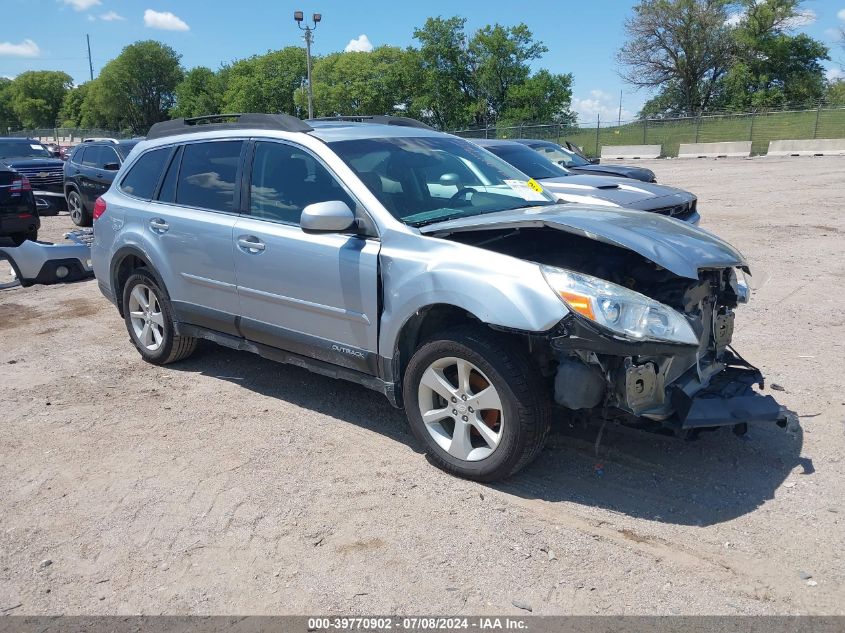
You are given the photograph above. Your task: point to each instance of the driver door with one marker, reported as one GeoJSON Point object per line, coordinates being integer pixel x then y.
{"type": "Point", "coordinates": [314, 295]}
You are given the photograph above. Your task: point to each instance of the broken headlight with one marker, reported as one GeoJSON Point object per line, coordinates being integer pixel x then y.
{"type": "Point", "coordinates": [619, 309]}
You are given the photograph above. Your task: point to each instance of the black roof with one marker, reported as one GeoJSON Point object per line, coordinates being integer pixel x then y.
{"type": "Point", "coordinates": [244, 121]}
{"type": "Point", "coordinates": [381, 119]}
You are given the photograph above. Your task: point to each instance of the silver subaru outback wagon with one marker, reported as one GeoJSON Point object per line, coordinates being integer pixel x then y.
{"type": "Point", "coordinates": [380, 251]}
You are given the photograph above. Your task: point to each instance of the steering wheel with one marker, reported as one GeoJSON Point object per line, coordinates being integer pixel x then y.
{"type": "Point", "coordinates": [463, 191]}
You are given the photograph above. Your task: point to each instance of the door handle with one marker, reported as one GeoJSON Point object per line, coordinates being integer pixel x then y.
{"type": "Point", "coordinates": [158, 225]}
{"type": "Point", "coordinates": [251, 244]}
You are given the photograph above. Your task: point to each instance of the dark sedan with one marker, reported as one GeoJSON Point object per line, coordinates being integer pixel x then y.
{"type": "Point", "coordinates": [18, 217]}
{"type": "Point", "coordinates": [578, 164]}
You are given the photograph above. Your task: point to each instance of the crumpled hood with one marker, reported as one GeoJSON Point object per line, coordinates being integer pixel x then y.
{"type": "Point", "coordinates": [620, 192]}
{"type": "Point", "coordinates": [679, 247]}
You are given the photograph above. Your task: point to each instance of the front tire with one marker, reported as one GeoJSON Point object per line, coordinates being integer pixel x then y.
{"type": "Point", "coordinates": [149, 321]}
{"type": "Point", "coordinates": [75, 206]}
{"type": "Point", "coordinates": [477, 403]}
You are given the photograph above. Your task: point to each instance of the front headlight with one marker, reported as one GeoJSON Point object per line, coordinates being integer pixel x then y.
{"type": "Point", "coordinates": [619, 309]}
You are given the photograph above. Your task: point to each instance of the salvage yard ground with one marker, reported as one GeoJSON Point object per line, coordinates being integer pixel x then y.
{"type": "Point", "coordinates": [232, 485]}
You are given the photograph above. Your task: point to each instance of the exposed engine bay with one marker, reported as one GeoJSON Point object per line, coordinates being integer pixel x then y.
{"type": "Point", "coordinates": [680, 385]}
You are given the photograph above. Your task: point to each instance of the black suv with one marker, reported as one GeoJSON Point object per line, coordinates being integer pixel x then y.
{"type": "Point", "coordinates": [30, 158]}
{"type": "Point", "coordinates": [89, 172]}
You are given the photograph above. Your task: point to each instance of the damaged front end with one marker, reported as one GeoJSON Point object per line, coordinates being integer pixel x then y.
{"type": "Point", "coordinates": [651, 316]}
{"type": "Point", "coordinates": [682, 386]}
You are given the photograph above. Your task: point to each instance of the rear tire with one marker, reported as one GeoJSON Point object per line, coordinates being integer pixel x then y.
{"type": "Point", "coordinates": [149, 321]}
{"type": "Point", "coordinates": [508, 426]}
{"type": "Point", "coordinates": [76, 208]}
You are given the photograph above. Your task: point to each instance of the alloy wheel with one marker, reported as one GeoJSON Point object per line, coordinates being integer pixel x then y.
{"type": "Point", "coordinates": [461, 409]}
{"type": "Point", "coordinates": [74, 203]}
{"type": "Point", "coordinates": [146, 317]}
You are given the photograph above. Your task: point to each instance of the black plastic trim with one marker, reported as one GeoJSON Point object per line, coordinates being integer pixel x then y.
{"type": "Point", "coordinates": [243, 121]}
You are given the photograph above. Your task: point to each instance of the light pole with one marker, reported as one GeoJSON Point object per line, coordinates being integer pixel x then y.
{"type": "Point", "coordinates": [309, 38]}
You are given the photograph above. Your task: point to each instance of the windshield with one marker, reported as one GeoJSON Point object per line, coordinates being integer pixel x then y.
{"type": "Point", "coordinates": [422, 180]}
{"type": "Point", "coordinates": [528, 161]}
{"type": "Point", "coordinates": [23, 149]}
{"type": "Point", "coordinates": [560, 155]}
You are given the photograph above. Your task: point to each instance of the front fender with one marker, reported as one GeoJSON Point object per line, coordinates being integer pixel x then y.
{"type": "Point", "coordinates": [498, 289]}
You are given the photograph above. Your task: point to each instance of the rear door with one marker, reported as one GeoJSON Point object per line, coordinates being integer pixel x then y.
{"type": "Point", "coordinates": [315, 295]}
{"type": "Point", "coordinates": [192, 219]}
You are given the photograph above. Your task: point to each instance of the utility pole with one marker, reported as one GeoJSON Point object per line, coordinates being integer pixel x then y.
{"type": "Point", "coordinates": [619, 122]}
{"type": "Point", "coordinates": [90, 63]}
{"type": "Point", "coordinates": [309, 39]}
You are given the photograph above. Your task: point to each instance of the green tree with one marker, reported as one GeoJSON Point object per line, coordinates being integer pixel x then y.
{"type": "Point", "coordinates": [36, 96]}
{"type": "Point", "coordinates": [541, 98]}
{"type": "Point", "coordinates": [377, 82]}
{"type": "Point", "coordinates": [836, 93]}
{"type": "Point", "coordinates": [266, 83]}
{"type": "Point", "coordinates": [8, 118]}
{"type": "Point", "coordinates": [685, 45]}
{"type": "Point", "coordinates": [138, 87]}
{"type": "Point", "coordinates": [772, 67]}
{"type": "Point", "coordinates": [199, 93]}
{"type": "Point", "coordinates": [446, 92]}
{"type": "Point", "coordinates": [70, 114]}
{"type": "Point", "coordinates": [500, 58]}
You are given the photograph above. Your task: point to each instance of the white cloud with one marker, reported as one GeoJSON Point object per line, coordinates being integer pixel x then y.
{"type": "Point", "coordinates": [834, 74]}
{"type": "Point", "coordinates": [27, 48]}
{"type": "Point", "coordinates": [82, 5]}
{"type": "Point", "coordinates": [360, 44]}
{"type": "Point", "coordinates": [111, 16]}
{"type": "Point", "coordinates": [599, 103]}
{"type": "Point", "coordinates": [735, 18]}
{"type": "Point", "coordinates": [802, 18]}
{"type": "Point", "coordinates": [841, 15]}
{"type": "Point", "coordinates": [164, 20]}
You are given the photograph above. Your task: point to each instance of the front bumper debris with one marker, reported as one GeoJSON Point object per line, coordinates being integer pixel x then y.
{"type": "Point", "coordinates": [48, 263]}
{"type": "Point", "coordinates": [728, 400]}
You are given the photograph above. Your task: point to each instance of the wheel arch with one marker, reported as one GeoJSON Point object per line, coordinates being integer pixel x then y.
{"type": "Point", "coordinates": [126, 261]}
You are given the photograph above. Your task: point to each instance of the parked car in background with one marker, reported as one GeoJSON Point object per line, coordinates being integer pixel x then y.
{"type": "Point", "coordinates": [54, 149]}
{"type": "Point", "coordinates": [88, 173]}
{"type": "Point", "coordinates": [19, 219]}
{"type": "Point", "coordinates": [31, 159]}
{"type": "Point", "coordinates": [596, 190]}
{"type": "Point", "coordinates": [577, 163]}
{"type": "Point", "coordinates": [423, 267]}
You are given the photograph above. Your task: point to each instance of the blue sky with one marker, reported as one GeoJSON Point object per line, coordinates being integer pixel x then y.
{"type": "Point", "coordinates": [582, 37]}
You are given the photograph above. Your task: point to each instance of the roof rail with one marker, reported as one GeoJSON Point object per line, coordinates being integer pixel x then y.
{"type": "Point", "coordinates": [383, 119]}
{"type": "Point", "coordinates": [212, 122]}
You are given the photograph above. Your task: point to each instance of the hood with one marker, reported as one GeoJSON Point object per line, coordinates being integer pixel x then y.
{"type": "Point", "coordinates": [679, 247]}
{"type": "Point", "coordinates": [621, 171]}
{"type": "Point", "coordinates": [34, 163]}
{"type": "Point", "coordinates": [615, 192]}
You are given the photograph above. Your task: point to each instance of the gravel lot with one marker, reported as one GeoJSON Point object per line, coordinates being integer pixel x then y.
{"type": "Point", "coordinates": [228, 484]}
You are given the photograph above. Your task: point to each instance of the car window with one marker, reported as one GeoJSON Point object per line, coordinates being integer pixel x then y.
{"type": "Point", "coordinates": [78, 154]}
{"type": "Point", "coordinates": [108, 155]}
{"type": "Point", "coordinates": [208, 174]}
{"type": "Point", "coordinates": [24, 148]}
{"type": "Point", "coordinates": [421, 180]}
{"type": "Point", "coordinates": [286, 179]}
{"type": "Point", "coordinates": [528, 161]}
{"type": "Point", "coordinates": [92, 156]}
{"type": "Point", "coordinates": [143, 176]}
{"type": "Point", "coordinates": [561, 156]}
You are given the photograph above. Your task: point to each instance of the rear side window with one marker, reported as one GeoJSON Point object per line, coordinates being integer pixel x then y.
{"type": "Point", "coordinates": [208, 175]}
{"type": "Point", "coordinates": [143, 176]}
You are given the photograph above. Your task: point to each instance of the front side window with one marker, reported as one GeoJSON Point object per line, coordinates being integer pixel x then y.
{"type": "Point", "coordinates": [421, 180]}
{"type": "Point", "coordinates": [92, 156]}
{"type": "Point", "coordinates": [208, 175]}
{"type": "Point", "coordinates": [143, 176]}
{"type": "Point", "coordinates": [286, 179]}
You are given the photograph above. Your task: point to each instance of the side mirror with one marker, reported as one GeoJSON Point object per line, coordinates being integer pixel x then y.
{"type": "Point", "coordinates": [333, 216]}
{"type": "Point", "coordinates": [111, 166]}
{"type": "Point", "coordinates": [595, 161]}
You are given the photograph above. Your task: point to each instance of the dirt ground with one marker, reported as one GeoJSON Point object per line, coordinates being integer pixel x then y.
{"type": "Point", "coordinates": [228, 484]}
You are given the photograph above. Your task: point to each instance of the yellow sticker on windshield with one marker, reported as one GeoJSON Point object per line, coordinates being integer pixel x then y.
{"type": "Point", "coordinates": [535, 185]}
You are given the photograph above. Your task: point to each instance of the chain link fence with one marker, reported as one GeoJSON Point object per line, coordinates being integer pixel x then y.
{"type": "Point", "coordinates": [66, 135]}
{"type": "Point", "coordinates": [759, 127]}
